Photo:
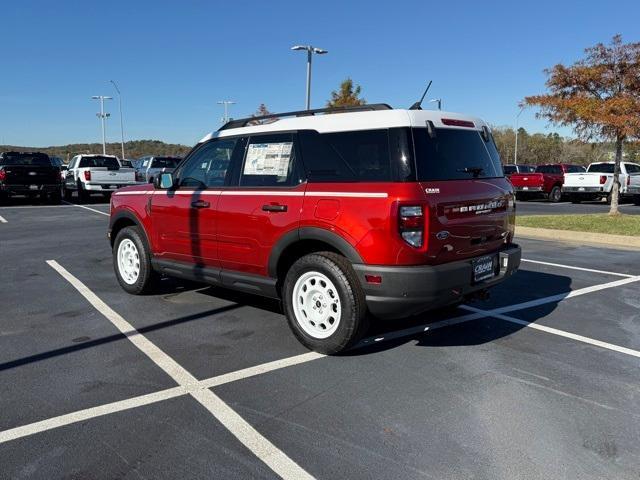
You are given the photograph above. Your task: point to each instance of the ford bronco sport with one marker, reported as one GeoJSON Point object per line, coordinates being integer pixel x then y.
{"type": "Point", "coordinates": [370, 210]}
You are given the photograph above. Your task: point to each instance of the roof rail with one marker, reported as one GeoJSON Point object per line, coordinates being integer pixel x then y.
{"type": "Point", "coordinates": [243, 122]}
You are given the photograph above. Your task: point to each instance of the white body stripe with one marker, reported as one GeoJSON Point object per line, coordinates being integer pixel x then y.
{"type": "Point", "coordinates": [263, 193]}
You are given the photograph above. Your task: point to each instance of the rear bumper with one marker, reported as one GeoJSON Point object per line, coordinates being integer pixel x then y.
{"type": "Point", "coordinates": [583, 189]}
{"type": "Point", "coordinates": [407, 291]}
{"type": "Point", "coordinates": [528, 189]}
{"type": "Point", "coordinates": [107, 187]}
{"type": "Point", "coordinates": [27, 189]}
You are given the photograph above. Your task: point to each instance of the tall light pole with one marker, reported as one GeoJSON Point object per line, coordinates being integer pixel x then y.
{"type": "Point", "coordinates": [310, 51]}
{"type": "Point", "coordinates": [438, 101]}
{"type": "Point", "coordinates": [102, 116]}
{"type": "Point", "coordinates": [121, 123]}
{"type": "Point", "coordinates": [226, 104]}
{"type": "Point", "coordinates": [515, 153]}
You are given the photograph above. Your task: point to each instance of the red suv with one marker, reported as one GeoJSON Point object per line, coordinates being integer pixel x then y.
{"type": "Point", "coordinates": [373, 210]}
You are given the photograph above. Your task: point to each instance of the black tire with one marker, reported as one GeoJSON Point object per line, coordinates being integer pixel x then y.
{"type": "Point", "coordinates": [55, 198]}
{"type": "Point", "coordinates": [555, 195]}
{"type": "Point", "coordinates": [83, 196]}
{"type": "Point", "coordinates": [4, 198]}
{"type": "Point", "coordinates": [608, 198]}
{"type": "Point", "coordinates": [147, 277]}
{"type": "Point", "coordinates": [353, 310]}
{"type": "Point", "coordinates": [636, 200]}
{"type": "Point", "coordinates": [575, 199]}
{"type": "Point", "coordinates": [66, 194]}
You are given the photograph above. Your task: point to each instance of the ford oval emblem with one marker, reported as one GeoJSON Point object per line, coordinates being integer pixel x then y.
{"type": "Point", "coordinates": [443, 235]}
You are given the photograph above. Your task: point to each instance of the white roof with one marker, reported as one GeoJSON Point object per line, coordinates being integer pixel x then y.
{"type": "Point", "coordinates": [352, 121]}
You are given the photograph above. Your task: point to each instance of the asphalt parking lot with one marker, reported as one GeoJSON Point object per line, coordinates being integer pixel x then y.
{"type": "Point", "coordinates": [539, 381]}
{"type": "Point", "coordinates": [543, 207]}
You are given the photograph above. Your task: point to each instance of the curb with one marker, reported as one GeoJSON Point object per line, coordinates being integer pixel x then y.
{"type": "Point", "coordinates": [583, 238]}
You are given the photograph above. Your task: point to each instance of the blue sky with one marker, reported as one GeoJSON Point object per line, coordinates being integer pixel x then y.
{"type": "Point", "coordinates": [174, 60]}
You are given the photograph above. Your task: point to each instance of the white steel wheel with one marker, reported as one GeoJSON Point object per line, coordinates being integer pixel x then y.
{"type": "Point", "coordinates": [128, 261]}
{"type": "Point", "coordinates": [316, 304]}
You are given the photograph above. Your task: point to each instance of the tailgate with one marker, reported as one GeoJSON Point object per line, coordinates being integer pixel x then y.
{"type": "Point", "coordinates": [105, 176]}
{"type": "Point", "coordinates": [583, 179]}
{"type": "Point", "coordinates": [468, 218]}
{"type": "Point", "coordinates": [32, 174]}
{"type": "Point", "coordinates": [520, 180]}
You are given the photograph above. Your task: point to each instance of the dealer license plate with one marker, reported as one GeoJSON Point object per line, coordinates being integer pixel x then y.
{"type": "Point", "coordinates": [483, 268]}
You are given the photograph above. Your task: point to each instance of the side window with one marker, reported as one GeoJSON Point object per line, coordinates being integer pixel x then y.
{"type": "Point", "coordinates": [269, 161]}
{"type": "Point", "coordinates": [208, 165]}
{"type": "Point", "coordinates": [366, 152]}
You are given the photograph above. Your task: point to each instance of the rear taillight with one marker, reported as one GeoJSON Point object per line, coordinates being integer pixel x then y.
{"type": "Point", "coordinates": [603, 179]}
{"type": "Point", "coordinates": [3, 175]}
{"type": "Point", "coordinates": [411, 222]}
{"type": "Point", "coordinates": [87, 175]}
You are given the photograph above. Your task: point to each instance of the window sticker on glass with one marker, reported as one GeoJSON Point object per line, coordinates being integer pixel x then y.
{"type": "Point", "coordinates": [268, 159]}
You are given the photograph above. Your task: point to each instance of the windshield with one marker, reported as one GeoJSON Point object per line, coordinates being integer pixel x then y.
{"type": "Point", "coordinates": [165, 162]}
{"type": "Point", "coordinates": [25, 159]}
{"type": "Point", "coordinates": [601, 168]}
{"type": "Point", "coordinates": [455, 154]}
{"type": "Point", "coordinates": [97, 162]}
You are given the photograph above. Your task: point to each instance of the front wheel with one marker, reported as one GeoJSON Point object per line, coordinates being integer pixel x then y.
{"type": "Point", "coordinates": [132, 261]}
{"type": "Point", "coordinates": [324, 302]}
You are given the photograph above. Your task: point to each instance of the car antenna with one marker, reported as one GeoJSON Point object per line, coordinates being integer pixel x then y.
{"type": "Point", "coordinates": [418, 104]}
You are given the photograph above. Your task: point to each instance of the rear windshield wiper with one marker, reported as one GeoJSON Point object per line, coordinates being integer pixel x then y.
{"type": "Point", "coordinates": [476, 171]}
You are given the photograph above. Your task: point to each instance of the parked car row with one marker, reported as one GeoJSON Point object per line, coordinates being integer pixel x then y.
{"type": "Point", "coordinates": [574, 182]}
{"type": "Point", "coordinates": [37, 175]}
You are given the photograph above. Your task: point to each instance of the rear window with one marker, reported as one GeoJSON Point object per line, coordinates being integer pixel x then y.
{"type": "Point", "coordinates": [632, 168]}
{"type": "Point", "coordinates": [509, 169]}
{"type": "Point", "coordinates": [99, 162]}
{"type": "Point", "coordinates": [165, 162]}
{"type": "Point", "coordinates": [601, 168]}
{"type": "Point", "coordinates": [25, 159]}
{"type": "Point", "coordinates": [575, 169]}
{"type": "Point", "coordinates": [455, 154]}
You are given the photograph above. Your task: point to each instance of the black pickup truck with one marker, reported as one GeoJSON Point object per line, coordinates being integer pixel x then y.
{"type": "Point", "coordinates": [29, 173]}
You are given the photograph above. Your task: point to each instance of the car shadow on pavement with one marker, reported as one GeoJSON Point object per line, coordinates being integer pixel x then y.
{"type": "Point", "coordinates": [524, 286]}
{"type": "Point", "coordinates": [86, 343]}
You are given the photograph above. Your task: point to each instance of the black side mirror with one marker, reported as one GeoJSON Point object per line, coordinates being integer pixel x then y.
{"type": "Point", "coordinates": [163, 181]}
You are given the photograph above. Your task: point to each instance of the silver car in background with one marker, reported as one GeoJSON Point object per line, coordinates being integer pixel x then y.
{"type": "Point", "coordinates": [150, 166]}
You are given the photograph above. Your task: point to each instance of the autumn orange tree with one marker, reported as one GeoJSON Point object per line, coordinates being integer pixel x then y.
{"type": "Point", "coordinates": [599, 96]}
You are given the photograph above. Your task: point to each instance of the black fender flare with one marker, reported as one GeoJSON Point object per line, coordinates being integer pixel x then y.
{"type": "Point", "coordinates": [126, 214]}
{"type": "Point", "coordinates": [310, 233]}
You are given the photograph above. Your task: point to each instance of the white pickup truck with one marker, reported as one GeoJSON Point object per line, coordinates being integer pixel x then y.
{"type": "Point", "coordinates": [89, 174]}
{"type": "Point", "coordinates": [597, 182]}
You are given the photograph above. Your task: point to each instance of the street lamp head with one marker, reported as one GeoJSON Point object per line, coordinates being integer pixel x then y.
{"type": "Point", "coordinates": [299, 47]}
{"type": "Point", "coordinates": [320, 51]}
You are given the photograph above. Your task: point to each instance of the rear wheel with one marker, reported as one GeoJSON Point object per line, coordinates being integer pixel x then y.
{"type": "Point", "coordinates": [83, 195]}
{"type": "Point", "coordinates": [636, 200]}
{"type": "Point", "coordinates": [55, 198]}
{"type": "Point", "coordinates": [324, 302]}
{"type": "Point", "coordinates": [132, 261]}
{"type": "Point", "coordinates": [66, 194]}
{"type": "Point", "coordinates": [555, 195]}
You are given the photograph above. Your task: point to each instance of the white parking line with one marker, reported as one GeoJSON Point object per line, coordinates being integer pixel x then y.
{"type": "Point", "coordinates": [88, 208]}
{"type": "Point", "coordinates": [555, 331]}
{"type": "Point", "coordinates": [148, 399]}
{"type": "Point", "coordinates": [241, 429]}
{"type": "Point", "coordinates": [570, 267]}
{"type": "Point", "coordinates": [2, 220]}
{"type": "Point", "coordinates": [411, 331]}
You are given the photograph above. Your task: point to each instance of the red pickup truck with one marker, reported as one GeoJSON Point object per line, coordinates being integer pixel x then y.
{"type": "Point", "coordinates": [546, 181]}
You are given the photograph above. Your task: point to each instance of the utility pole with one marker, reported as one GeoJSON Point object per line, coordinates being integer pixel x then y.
{"type": "Point", "coordinates": [515, 153]}
{"type": "Point", "coordinates": [102, 116]}
{"type": "Point", "coordinates": [121, 123]}
{"type": "Point", "coordinates": [310, 51]}
{"type": "Point", "coordinates": [226, 104]}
